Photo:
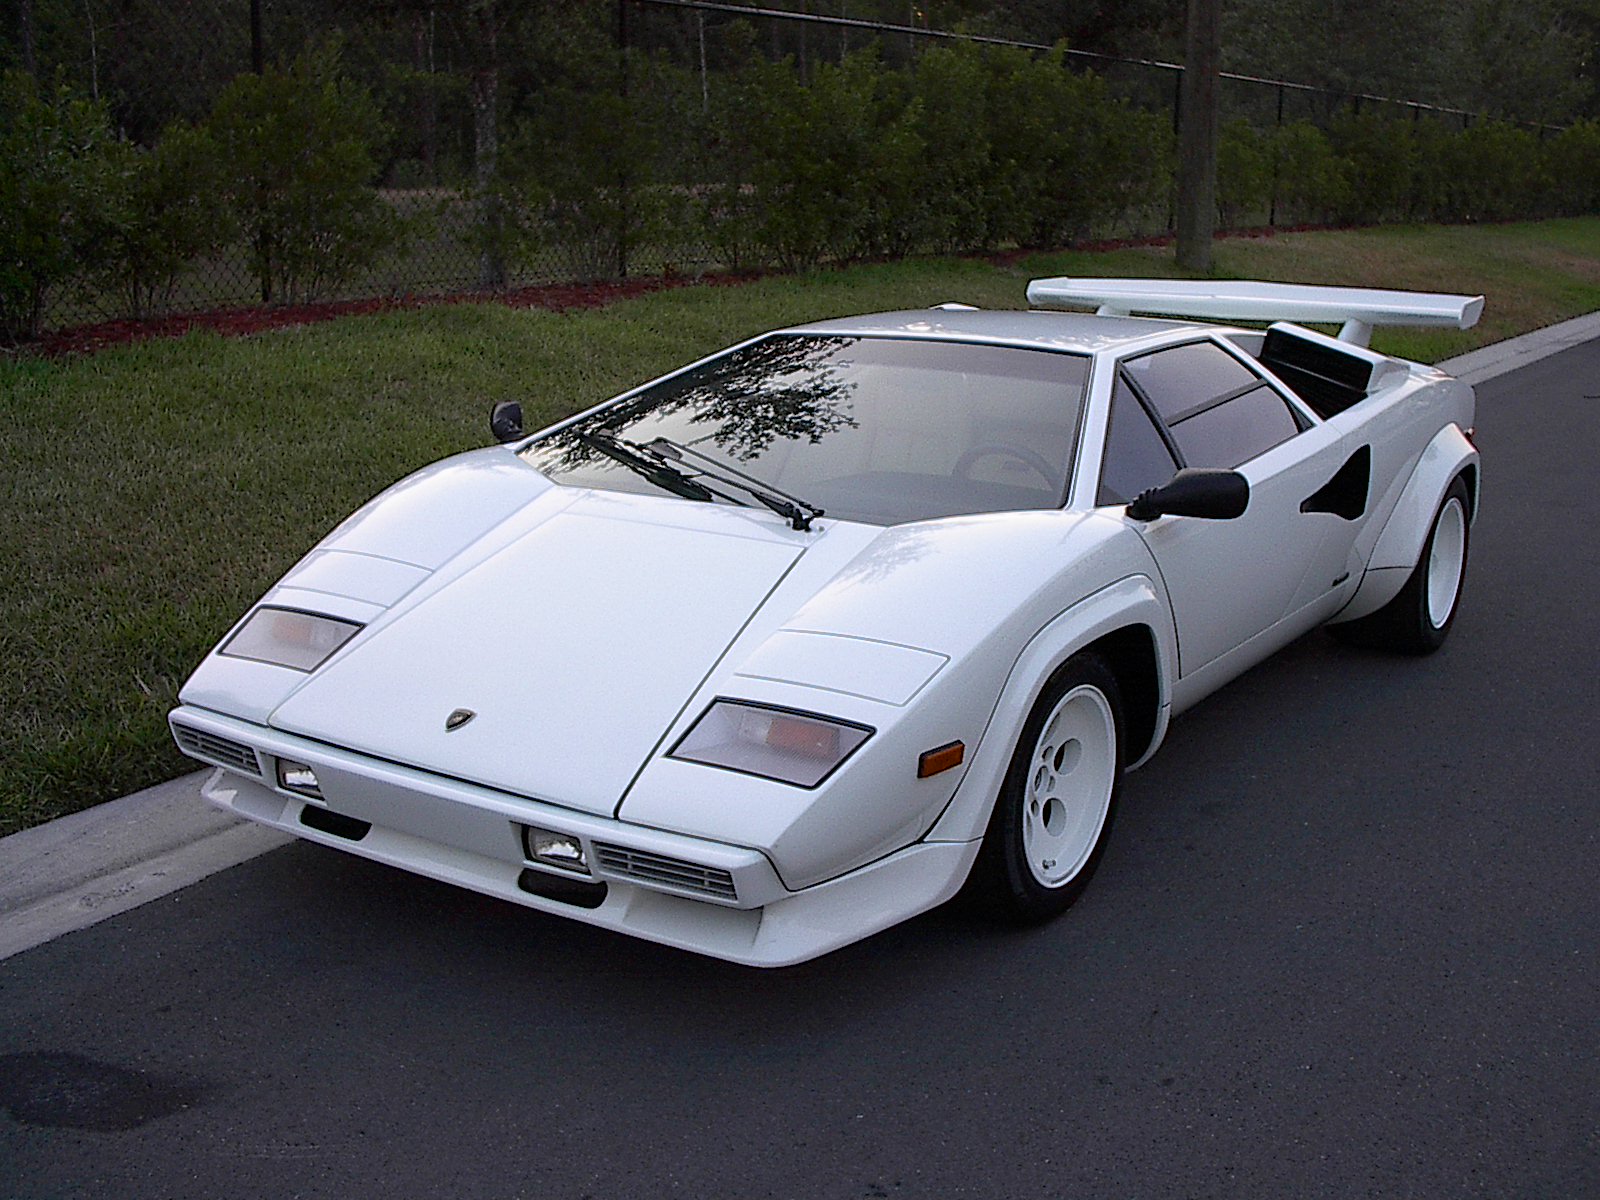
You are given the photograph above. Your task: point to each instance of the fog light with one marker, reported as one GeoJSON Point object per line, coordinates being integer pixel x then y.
{"type": "Point", "coordinates": [299, 778]}
{"type": "Point", "coordinates": [556, 850]}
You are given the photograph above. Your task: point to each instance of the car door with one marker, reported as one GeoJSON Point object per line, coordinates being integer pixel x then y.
{"type": "Point", "coordinates": [1200, 405]}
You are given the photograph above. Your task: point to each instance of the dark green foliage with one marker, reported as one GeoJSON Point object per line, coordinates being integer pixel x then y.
{"type": "Point", "coordinates": [1312, 182]}
{"type": "Point", "coordinates": [589, 173]}
{"type": "Point", "coordinates": [1381, 157]}
{"type": "Point", "coordinates": [1572, 164]}
{"type": "Point", "coordinates": [167, 210]}
{"type": "Point", "coordinates": [1244, 175]}
{"type": "Point", "coordinates": [59, 181]}
{"type": "Point", "coordinates": [612, 164]}
{"type": "Point", "coordinates": [1492, 172]}
{"type": "Point", "coordinates": [297, 148]}
{"type": "Point", "coordinates": [975, 148]}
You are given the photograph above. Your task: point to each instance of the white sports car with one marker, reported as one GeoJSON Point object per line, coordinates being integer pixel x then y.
{"type": "Point", "coordinates": [800, 640]}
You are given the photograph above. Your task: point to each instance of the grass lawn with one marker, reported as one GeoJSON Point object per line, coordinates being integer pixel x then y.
{"type": "Point", "coordinates": [153, 491]}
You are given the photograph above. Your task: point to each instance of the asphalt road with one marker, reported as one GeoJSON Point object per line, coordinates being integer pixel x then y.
{"type": "Point", "coordinates": [1343, 944]}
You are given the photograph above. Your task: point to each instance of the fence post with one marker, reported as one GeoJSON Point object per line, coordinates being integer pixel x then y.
{"type": "Point", "coordinates": [624, 207]}
{"type": "Point", "coordinates": [30, 64]}
{"type": "Point", "coordinates": [1272, 202]}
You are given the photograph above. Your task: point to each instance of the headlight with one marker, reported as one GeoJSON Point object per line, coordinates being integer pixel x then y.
{"type": "Point", "coordinates": [288, 638]}
{"type": "Point", "coordinates": [774, 743]}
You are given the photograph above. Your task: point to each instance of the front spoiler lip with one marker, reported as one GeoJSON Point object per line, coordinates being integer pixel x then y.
{"type": "Point", "coordinates": [788, 928]}
{"type": "Point", "coordinates": [453, 813]}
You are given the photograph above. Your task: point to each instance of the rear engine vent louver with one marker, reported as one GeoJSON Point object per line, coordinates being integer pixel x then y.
{"type": "Point", "coordinates": [219, 750]}
{"type": "Point", "coordinates": [663, 871]}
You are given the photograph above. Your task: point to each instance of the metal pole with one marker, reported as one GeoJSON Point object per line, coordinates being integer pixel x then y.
{"type": "Point", "coordinates": [257, 54]}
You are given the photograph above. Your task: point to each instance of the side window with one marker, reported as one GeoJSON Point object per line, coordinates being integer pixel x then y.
{"type": "Point", "coordinates": [1235, 431]}
{"type": "Point", "coordinates": [1184, 379]}
{"type": "Point", "coordinates": [1136, 455]}
{"type": "Point", "coordinates": [1219, 412]}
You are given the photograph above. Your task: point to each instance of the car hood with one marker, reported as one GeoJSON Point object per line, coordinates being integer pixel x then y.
{"type": "Point", "coordinates": [576, 646]}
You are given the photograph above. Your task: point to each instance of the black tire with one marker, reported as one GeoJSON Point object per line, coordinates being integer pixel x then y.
{"type": "Point", "coordinates": [1419, 618]}
{"type": "Point", "coordinates": [1082, 697]}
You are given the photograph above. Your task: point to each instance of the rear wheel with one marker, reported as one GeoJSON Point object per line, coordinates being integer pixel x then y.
{"type": "Point", "coordinates": [1419, 618]}
{"type": "Point", "coordinates": [1049, 825]}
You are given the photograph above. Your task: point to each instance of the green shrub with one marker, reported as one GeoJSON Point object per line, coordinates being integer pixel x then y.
{"type": "Point", "coordinates": [586, 175]}
{"type": "Point", "coordinates": [1572, 167]}
{"type": "Point", "coordinates": [1492, 172]}
{"type": "Point", "coordinates": [297, 150]}
{"type": "Point", "coordinates": [834, 163]}
{"type": "Point", "coordinates": [1244, 174]}
{"type": "Point", "coordinates": [1313, 182]}
{"type": "Point", "coordinates": [59, 180]}
{"type": "Point", "coordinates": [951, 87]}
{"type": "Point", "coordinates": [1066, 156]}
{"type": "Point", "coordinates": [1381, 156]}
{"type": "Point", "coordinates": [167, 212]}
{"type": "Point", "coordinates": [798, 174]}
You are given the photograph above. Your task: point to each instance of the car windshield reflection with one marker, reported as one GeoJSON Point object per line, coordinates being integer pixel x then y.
{"type": "Point", "coordinates": [873, 429]}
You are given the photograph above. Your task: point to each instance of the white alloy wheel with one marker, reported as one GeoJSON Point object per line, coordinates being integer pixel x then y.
{"type": "Point", "coordinates": [1055, 810]}
{"type": "Point", "coordinates": [1419, 618]}
{"type": "Point", "coordinates": [1068, 791]}
{"type": "Point", "coordinates": [1447, 559]}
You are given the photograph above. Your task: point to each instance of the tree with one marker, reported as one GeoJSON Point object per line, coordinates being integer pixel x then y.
{"type": "Point", "coordinates": [1197, 136]}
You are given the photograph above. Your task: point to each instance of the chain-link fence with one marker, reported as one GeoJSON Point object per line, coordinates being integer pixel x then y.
{"type": "Point", "coordinates": [527, 143]}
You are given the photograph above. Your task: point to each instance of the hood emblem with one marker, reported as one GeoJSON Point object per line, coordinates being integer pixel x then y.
{"type": "Point", "coordinates": [457, 719]}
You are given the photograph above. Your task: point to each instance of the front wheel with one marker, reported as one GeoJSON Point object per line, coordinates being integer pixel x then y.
{"type": "Point", "coordinates": [1418, 619]}
{"type": "Point", "coordinates": [1050, 821]}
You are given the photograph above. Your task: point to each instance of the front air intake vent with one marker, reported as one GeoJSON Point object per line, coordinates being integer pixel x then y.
{"type": "Point", "coordinates": [662, 871]}
{"type": "Point", "coordinates": [220, 750]}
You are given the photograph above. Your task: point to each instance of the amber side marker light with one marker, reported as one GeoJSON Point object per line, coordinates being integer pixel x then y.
{"type": "Point", "coordinates": [940, 758]}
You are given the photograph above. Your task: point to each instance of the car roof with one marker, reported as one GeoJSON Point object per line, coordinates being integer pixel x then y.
{"type": "Point", "coordinates": [1082, 333]}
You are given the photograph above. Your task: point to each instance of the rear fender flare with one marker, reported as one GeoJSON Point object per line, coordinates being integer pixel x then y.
{"type": "Point", "coordinates": [1399, 546]}
{"type": "Point", "coordinates": [1135, 600]}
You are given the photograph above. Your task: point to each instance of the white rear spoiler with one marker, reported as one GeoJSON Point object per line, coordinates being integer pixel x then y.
{"type": "Point", "coordinates": [1246, 300]}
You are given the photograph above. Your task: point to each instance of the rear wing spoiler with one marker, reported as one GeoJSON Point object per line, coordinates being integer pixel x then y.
{"type": "Point", "coordinates": [1357, 309]}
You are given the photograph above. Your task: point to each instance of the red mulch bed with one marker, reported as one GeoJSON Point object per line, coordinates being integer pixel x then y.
{"type": "Point", "coordinates": [556, 297]}
{"type": "Point", "coordinates": [237, 322]}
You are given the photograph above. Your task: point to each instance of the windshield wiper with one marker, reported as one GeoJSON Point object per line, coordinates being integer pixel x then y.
{"type": "Point", "coordinates": [799, 512]}
{"type": "Point", "coordinates": [663, 475]}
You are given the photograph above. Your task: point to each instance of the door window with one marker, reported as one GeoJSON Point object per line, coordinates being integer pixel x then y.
{"type": "Point", "coordinates": [1218, 412]}
{"type": "Point", "coordinates": [1136, 455]}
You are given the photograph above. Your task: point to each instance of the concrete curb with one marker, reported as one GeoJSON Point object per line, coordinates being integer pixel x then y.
{"type": "Point", "coordinates": [72, 872]}
{"type": "Point", "coordinates": [1487, 362]}
{"type": "Point", "coordinates": [81, 869]}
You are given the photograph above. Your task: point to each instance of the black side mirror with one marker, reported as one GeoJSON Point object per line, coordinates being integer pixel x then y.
{"type": "Point", "coordinates": [505, 421]}
{"type": "Point", "coordinates": [1195, 492]}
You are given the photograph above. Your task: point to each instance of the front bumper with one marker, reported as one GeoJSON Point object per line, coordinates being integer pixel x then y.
{"type": "Point", "coordinates": [725, 901]}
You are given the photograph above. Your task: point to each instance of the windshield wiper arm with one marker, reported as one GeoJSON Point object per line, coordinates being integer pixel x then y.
{"type": "Point", "coordinates": [663, 475]}
{"type": "Point", "coordinates": [800, 513]}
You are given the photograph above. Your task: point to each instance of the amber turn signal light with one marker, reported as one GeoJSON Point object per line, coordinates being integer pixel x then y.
{"type": "Point", "coordinates": [940, 758]}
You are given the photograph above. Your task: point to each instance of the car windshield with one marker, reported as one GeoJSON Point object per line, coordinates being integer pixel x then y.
{"type": "Point", "coordinates": [873, 429]}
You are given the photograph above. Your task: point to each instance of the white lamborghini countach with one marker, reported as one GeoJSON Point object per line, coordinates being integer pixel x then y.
{"type": "Point", "coordinates": [806, 637]}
